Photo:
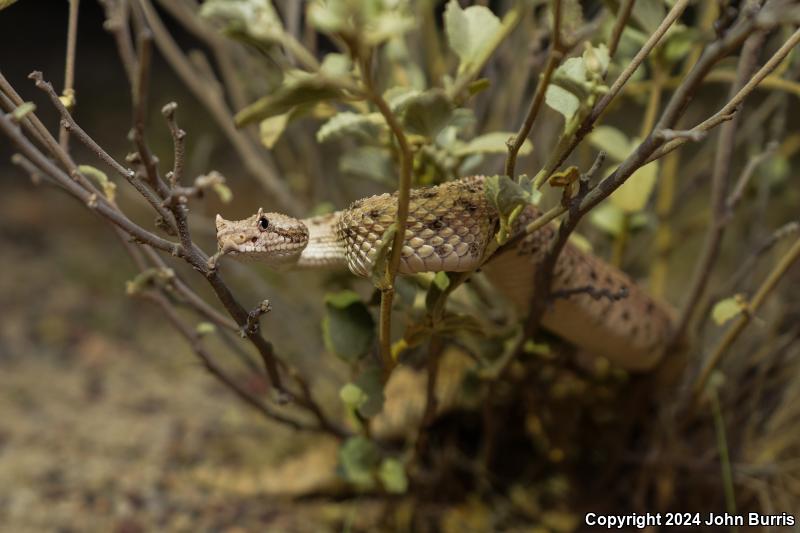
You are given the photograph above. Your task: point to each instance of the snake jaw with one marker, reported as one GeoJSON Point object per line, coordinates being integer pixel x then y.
{"type": "Point", "coordinates": [272, 238]}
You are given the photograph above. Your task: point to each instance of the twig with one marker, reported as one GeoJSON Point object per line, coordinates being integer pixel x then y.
{"type": "Point", "coordinates": [744, 178]}
{"type": "Point", "coordinates": [689, 135]}
{"type": "Point", "coordinates": [178, 143]}
{"type": "Point", "coordinates": [255, 314]}
{"type": "Point", "coordinates": [553, 59]}
{"type": "Point", "coordinates": [747, 266]}
{"type": "Point", "coordinates": [190, 297]}
{"type": "Point", "coordinates": [744, 319]}
{"type": "Point", "coordinates": [117, 24]}
{"type": "Point", "coordinates": [724, 454]}
{"type": "Point", "coordinates": [90, 143]}
{"type": "Point", "coordinates": [619, 26]}
{"type": "Point", "coordinates": [435, 349]}
{"type": "Point", "coordinates": [200, 262]}
{"type": "Point", "coordinates": [43, 136]}
{"type": "Point", "coordinates": [719, 190]}
{"type": "Point", "coordinates": [139, 95]}
{"type": "Point", "coordinates": [69, 66]}
{"type": "Point", "coordinates": [222, 50]}
{"type": "Point", "coordinates": [36, 175]}
{"type": "Point", "coordinates": [195, 341]}
{"type": "Point", "coordinates": [252, 159]}
{"type": "Point", "coordinates": [94, 201]}
{"type": "Point", "coordinates": [729, 109]}
{"type": "Point", "coordinates": [588, 123]}
{"type": "Point", "coordinates": [403, 198]}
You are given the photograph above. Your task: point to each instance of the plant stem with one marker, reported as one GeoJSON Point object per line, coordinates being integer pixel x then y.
{"type": "Point", "coordinates": [744, 319]}
{"type": "Point", "coordinates": [553, 59]}
{"type": "Point", "coordinates": [403, 199]}
{"type": "Point", "coordinates": [69, 67]}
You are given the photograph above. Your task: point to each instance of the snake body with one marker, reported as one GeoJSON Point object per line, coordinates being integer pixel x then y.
{"type": "Point", "coordinates": [448, 229]}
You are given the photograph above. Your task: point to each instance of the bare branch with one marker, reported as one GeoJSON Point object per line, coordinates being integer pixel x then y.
{"type": "Point", "coordinates": [744, 319]}
{"type": "Point", "coordinates": [94, 201]}
{"type": "Point", "coordinates": [403, 199]}
{"type": "Point", "coordinates": [719, 189]}
{"type": "Point", "coordinates": [553, 59]}
{"type": "Point", "coordinates": [619, 26]}
{"type": "Point", "coordinates": [90, 143]}
{"type": "Point", "coordinates": [69, 66]}
{"type": "Point", "coordinates": [252, 159]}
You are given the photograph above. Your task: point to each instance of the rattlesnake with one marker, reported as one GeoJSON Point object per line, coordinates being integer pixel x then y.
{"type": "Point", "coordinates": [448, 229]}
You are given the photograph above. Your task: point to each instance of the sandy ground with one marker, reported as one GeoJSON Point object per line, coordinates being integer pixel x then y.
{"type": "Point", "coordinates": [107, 421]}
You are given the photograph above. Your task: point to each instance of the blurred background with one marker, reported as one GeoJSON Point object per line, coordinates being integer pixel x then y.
{"type": "Point", "coordinates": [108, 422]}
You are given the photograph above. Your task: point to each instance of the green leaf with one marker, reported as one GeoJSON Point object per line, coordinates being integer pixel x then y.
{"type": "Point", "coordinates": [397, 97]}
{"type": "Point", "coordinates": [439, 285]}
{"type": "Point", "coordinates": [5, 3]}
{"type": "Point", "coordinates": [336, 65]}
{"type": "Point", "coordinates": [612, 141]}
{"type": "Point", "coordinates": [632, 196]}
{"type": "Point", "coordinates": [492, 143]}
{"type": "Point", "coordinates": [427, 113]}
{"type": "Point", "coordinates": [352, 396]}
{"type": "Point", "coordinates": [387, 25]}
{"type": "Point", "coordinates": [580, 242]}
{"type": "Point", "coordinates": [532, 347]}
{"type": "Point", "coordinates": [270, 129]}
{"type": "Point", "coordinates": [648, 14]}
{"type": "Point", "coordinates": [478, 86]}
{"type": "Point", "coordinates": [577, 82]}
{"type": "Point", "coordinates": [256, 18]}
{"type": "Point", "coordinates": [358, 459]}
{"type": "Point", "coordinates": [508, 197]}
{"type": "Point", "coordinates": [469, 31]}
{"type": "Point", "coordinates": [348, 327]}
{"type": "Point", "coordinates": [505, 194]}
{"type": "Point", "coordinates": [332, 16]}
{"type": "Point", "coordinates": [562, 100]}
{"type": "Point", "coordinates": [678, 42]}
{"type": "Point", "coordinates": [222, 191]}
{"type": "Point", "coordinates": [368, 162]}
{"type": "Point", "coordinates": [298, 89]}
{"type": "Point", "coordinates": [342, 299]}
{"type": "Point", "coordinates": [393, 476]}
{"type": "Point", "coordinates": [365, 127]}
{"type": "Point", "coordinates": [370, 382]}
{"type": "Point", "coordinates": [205, 328]}
{"type": "Point", "coordinates": [610, 219]}
{"type": "Point", "coordinates": [725, 310]}
{"type": "Point", "coordinates": [776, 169]}
{"type": "Point", "coordinates": [109, 187]}
{"type": "Point", "coordinates": [22, 110]}
{"type": "Point", "coordinates": [607, 217]}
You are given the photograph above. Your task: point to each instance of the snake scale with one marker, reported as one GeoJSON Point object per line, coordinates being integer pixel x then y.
{"type": "Point", "coordinates": [448, 229]}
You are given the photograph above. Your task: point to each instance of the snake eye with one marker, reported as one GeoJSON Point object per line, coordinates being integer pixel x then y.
{"type": "Point", "coordinates": [263, 223]}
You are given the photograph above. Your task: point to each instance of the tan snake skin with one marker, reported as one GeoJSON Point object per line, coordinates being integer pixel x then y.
{"type": "Point", "coordinates": [448, 229]}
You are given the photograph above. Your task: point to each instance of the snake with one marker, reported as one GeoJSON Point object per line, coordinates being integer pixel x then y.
{"type": "Point", "coordinates": [448, 229]}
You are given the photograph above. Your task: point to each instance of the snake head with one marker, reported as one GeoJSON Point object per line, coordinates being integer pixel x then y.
{"type": "Point", "coordinates": [272, 238]}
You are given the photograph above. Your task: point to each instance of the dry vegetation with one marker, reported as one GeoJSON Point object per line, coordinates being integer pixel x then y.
{"type": "Point", "coordinates": [659, 133]}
